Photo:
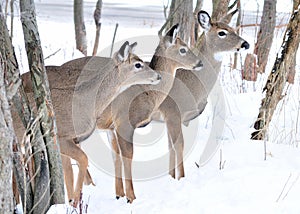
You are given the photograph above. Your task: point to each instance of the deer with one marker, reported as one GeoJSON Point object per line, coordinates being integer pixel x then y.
{"type": "Point", "coordinates": [101, 80]}
{"type": "Point", "coordinates": [134, 107]}
{"type": "Point", "coordinates": [188, 96]}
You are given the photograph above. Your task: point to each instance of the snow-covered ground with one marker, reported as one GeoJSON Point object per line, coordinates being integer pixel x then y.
{"type": "Point", "coordinates": [246, 183]}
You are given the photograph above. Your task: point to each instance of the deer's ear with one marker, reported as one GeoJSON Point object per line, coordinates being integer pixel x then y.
{"type": "Point", "coordinates": [132, 47]}
{"type": "Point", "coordinates": [171, 35]}
{"type": "Point", "coordinates": [123, 52]}
{"type": "Point", "coordinates": [204, 20]}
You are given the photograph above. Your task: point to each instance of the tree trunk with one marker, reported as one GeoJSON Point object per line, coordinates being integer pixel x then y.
{"type": "Point", "coordinates": [238, 23]}
{"type": "Point", "coordinates": [43, 100]}
{"type": "Point", "coordinates": [21, 103]}
{"type": "Point", "coordinates": [12, 79]}
{"type": "Point", "coordinates": [292, 71]}
{"type": "Point", "coordinates": [265, 34]}
{"type": "Point", "coordinates": [181, 12]}
{"type": "Point", "coordinates": [277, 78]}
{"type": "Point", "coordinates": [80, 32]}
{"type": "Point", "coordinates": [6, 140]}
{"type": "Point", "coordinates": [220, 9]}
{"type": "Point", "coordinates": [97, 17]}
{"type": "Point", "coordinates": [198, 7]}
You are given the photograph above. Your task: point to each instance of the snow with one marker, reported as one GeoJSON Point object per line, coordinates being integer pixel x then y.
{"type": "Point", "coordinates": [246, 183]}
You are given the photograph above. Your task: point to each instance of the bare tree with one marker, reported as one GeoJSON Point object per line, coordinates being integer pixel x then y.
{"type": "Point", "coordinates": [265, 34]}
{"type": "Point", "coordinates": [180, 12]}
{"type": "Point", "coordinates": [80, 32]}
{"type": "Point", "coordinates": [43, 100]}
{"type": "Point", "coordinates": [278, 76]}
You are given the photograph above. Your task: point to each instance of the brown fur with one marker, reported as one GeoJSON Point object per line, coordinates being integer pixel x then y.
{"type": "Point", "coordinates": [138, 104]}
{"type": "Point", "coordinates": [73, 86]}
{"type": "Point", "coordinates": [188, 96]}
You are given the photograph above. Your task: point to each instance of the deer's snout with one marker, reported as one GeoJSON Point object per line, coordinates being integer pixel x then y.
{"type": "Point", "coordinates": [198, 66]}
{"type": "Point", "coordinates": [245, 45]}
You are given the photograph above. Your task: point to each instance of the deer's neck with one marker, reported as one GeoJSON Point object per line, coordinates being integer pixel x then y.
{"type": "Point", "coordinates": [167, 69]}
{"type": "Point", "coordinates": [207, 50]}
{"type": "Point", "coordinates": [109, 88]}
{"type": "Point", "coordinates": [208, 75]}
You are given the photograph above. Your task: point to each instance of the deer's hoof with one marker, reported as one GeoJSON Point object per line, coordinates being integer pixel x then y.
{"type": "Point", "coordinates": [129, 200]}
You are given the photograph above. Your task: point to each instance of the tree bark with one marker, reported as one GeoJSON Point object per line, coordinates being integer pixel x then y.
{"type": "Point", "coordinates": [43, 100]}
{"type": "Point", "coordinates": [292, 71]}
{"type": "Point", "coordinates": [277, 78]}
{"type": "Point", "coordinates": [6, 140]}
{"type": "Point", "coordinates": [265, 34]}
{"type": "Point", "coordinates": [80, 32]}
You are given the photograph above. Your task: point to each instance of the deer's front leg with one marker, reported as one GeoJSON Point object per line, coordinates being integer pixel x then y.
{"type": "Point", "coordinates": [126, 147]}
{"type": "Point", "coordinates": [176, 138]}
{"type": "Point", "coordinates": [171, 157]}
{"type": "Point", "coordinates": [117, 164]}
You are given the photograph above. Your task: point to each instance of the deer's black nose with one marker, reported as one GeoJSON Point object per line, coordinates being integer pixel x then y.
{"type": "Point", "coordinates": [199, 65]}
{"type": "Point", "coordinates": [158, 77]}
{"type": "Point", "coordinates": [245, 45]}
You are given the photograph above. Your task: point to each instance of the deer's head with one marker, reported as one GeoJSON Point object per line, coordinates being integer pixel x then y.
{"type": "Point", "coordinates": [219, 36]}
{"type": "Point", "coordinates": [134, 70]}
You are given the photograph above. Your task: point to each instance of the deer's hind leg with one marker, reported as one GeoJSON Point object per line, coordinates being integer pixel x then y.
{"type": "Point", "coordinates": [117, 164]}
{"type": "Point", "coordinates": [125, 141]}
{"type": "Point", "coordinates": [70, 149]}
{"type": "Point", "coordinates": [69, 176]}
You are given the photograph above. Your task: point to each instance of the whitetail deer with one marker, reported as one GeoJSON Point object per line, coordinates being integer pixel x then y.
{"type": "Point", "coordinates": [106, 78]}
{"type": "Point", "coordinates": [134, 107]}
{"type": "Point", "coordinates": [188, 96]}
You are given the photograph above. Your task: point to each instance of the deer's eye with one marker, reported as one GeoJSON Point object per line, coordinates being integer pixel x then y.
{"type": "Point", "coordinates": [138, 65]}
{"type": "Point", "coordinates": [222, 34]}
{"type": "Point", "coordinates": [182, 51]}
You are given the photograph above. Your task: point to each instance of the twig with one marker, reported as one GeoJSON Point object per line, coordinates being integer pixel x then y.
{"type": "Point", "coordinates": [52, 54]}
{"type": "Point", "coordinates": [87, 204]}
{"type": "Point", "coordinates": [290, 187]}
{"type": "Point", "coordinates": [97, 17]}
{"type": "Point", "coordinates": [169, 19]}
{"type": "Point", "coordinates": [265, 149]}
{"type": "Point", "coordinates": [257, 25]}
{"type": "Point", "coordinates": [220, 164]}
{"type": "Point", "coordinates": [284, 187]}
{"type": "Point", "coordinates": [165, 9]}
{"type": "Point", "coordinates": [11, 18]}
{"type": "Point", "coordinates": [113, 41]}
